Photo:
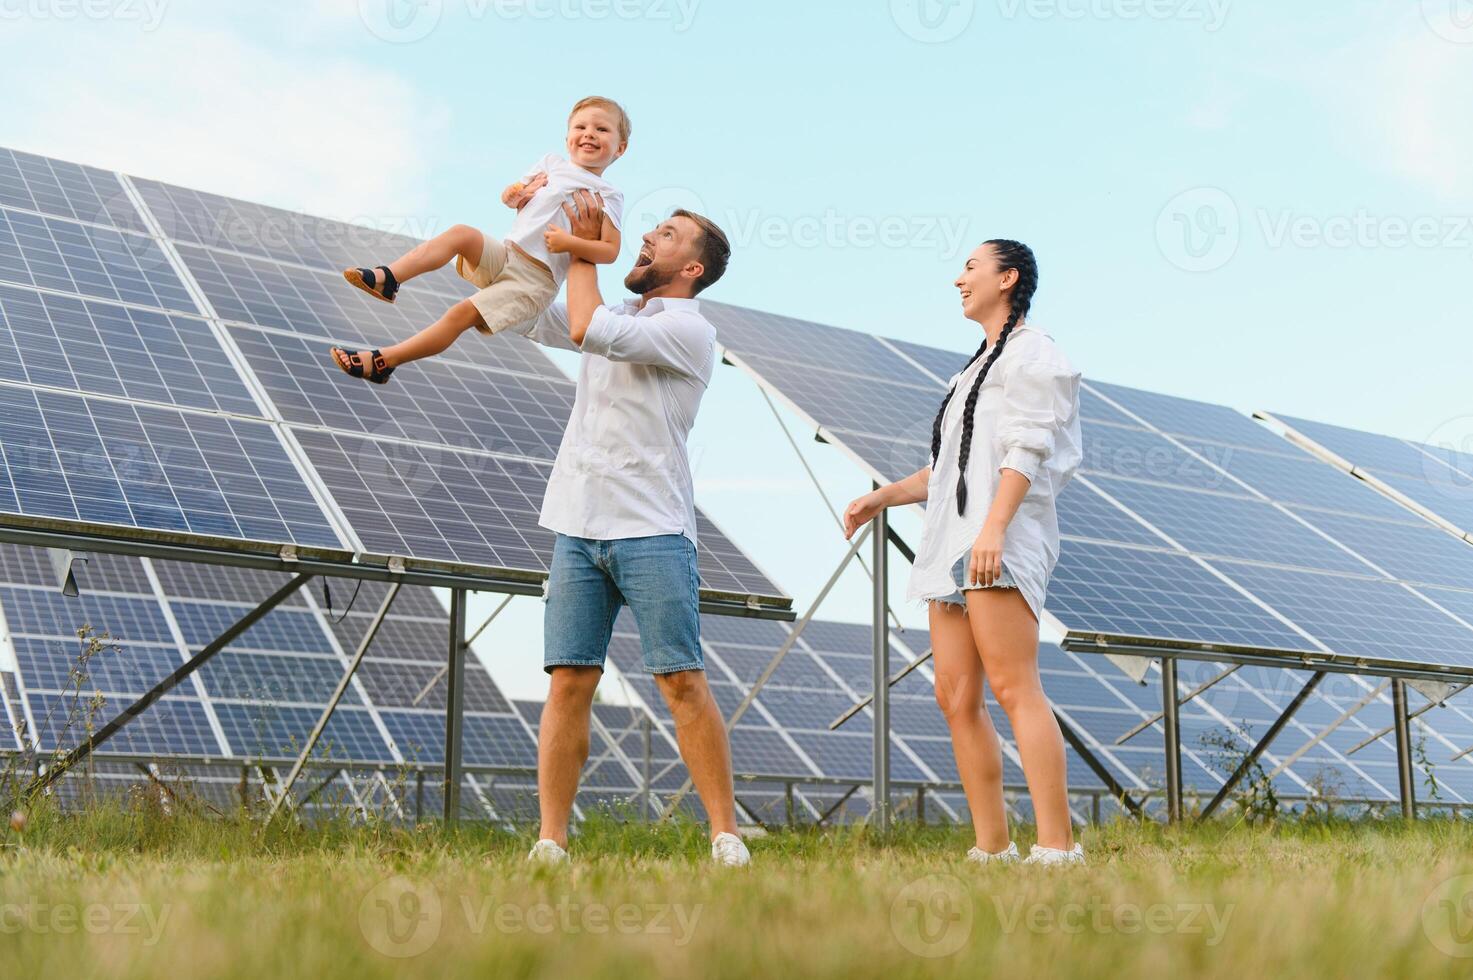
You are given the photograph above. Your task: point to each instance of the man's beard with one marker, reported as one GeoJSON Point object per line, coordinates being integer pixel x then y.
{"type": "Point", "coordinates": [647, 278]}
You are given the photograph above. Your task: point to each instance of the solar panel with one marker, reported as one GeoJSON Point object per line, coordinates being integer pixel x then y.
{"type": "Point", "coordinates": [63, 190]}
{"type": "Point", "coordinates": [195, 329]}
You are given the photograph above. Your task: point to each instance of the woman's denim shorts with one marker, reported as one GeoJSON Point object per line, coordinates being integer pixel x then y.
{"type": "Point", "coordinates": [958, 575]}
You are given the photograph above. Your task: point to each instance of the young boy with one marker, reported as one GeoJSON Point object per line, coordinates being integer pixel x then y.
{"type": "Point", "coordinates": [518, 277]}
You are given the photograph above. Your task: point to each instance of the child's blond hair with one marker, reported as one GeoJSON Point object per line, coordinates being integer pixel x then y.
{"type": "Point", "coordinates": [600, 102]}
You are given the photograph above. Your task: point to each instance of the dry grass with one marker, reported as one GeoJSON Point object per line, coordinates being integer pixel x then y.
{"type": "Point", "coordinates": [132, 892]}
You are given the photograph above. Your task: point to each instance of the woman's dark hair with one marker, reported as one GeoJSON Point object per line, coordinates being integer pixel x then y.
{"type": "Point", "coordinates": [1010, 255]}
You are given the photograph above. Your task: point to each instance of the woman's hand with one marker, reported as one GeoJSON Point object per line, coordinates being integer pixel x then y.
{"type": "Point", "coordinates": [525, 192]}
{"type": "Point", "coordinates": [986, 563]}
{"type": "Point", "coordinates": [861, 512]}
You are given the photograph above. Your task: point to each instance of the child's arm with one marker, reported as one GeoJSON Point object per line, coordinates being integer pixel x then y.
{"type": "Point", "coordinates": [517, 195]}
{"type": "Point", "coordinates": [602, 251]}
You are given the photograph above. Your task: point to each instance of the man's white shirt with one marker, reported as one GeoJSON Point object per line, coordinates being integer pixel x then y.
{"type": "Point", "coordinates": [623, 470]}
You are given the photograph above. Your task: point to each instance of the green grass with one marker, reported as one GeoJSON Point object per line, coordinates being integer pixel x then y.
{"type": "Point", "coordinates": [134, 892]}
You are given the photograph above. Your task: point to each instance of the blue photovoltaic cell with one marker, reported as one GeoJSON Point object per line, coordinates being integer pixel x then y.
{"type": "Point", "coordinates": [1129, 591]}
{"type": "Point", "coordinates": [105, 462]}
{"type": "Point", "coordinates": [1301, 480]}
{"type": "Point", "coordinates": [1230, 526]}
{"type": "Point", "coordinates": [1141, 455]}
{"type": "Point", "coordinates": [487, 740]}
{"type": "Point", "coordinates": [753, 332]}
{"type": "Point", "coordinates": [1360, 617]}
{"type": "Point", "coordinates": [437, 401]}
{"type": "Point", "coordinates": [1449, 495]}
{"type": "Point", "coordinates": [281, 630]}
{"type": "Point", "coordinates": [944, 364]}
{"type": "Point", "coordinates": [1411, 553]}
{"type": "Point", "coordinates": [46, 612]}
{"type": "Point", "coordinates": [1083, 513]}
{"type": "Point", "coordinates": [171, 726]}
{"type": "Point", "coordinates": [287, 236]}
{"type": "Point", "coordinates": [278, 730]}
{"type": "Point", "coordinates": [104, 349]}
{"type": "Point", "coordinates": [99, 262]}
{"type": "Point", "coordinates": [846, 402]}
{"type": "Point", "coordinates": [238, 676]}
{"type": "Point", "coordinates": [1367, 450]}
{"type": "Point", "coordinates": [1185, 417]}
{"type": "Point", "coordinates": [65, 190]}
{"type": "Point", "coordinates": [117, 669]}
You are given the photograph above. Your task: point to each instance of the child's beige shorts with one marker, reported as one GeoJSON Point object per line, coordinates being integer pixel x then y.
{"type": "Point", "coordinates": [514, 289]}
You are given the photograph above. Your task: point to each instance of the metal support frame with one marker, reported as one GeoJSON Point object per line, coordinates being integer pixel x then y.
{"type": "Point", "coordinates": [880, 573]}
{"type": "Point", "coordinates": [1077, 743]}
{"type": "Point", "coordinates": [1263, 743]}
{"type": "Point", "coordinates": [647, 792]}
{"type": "Point", "coordinates": [1403, 727]}
{"type": "Point", "coordinates": [1194, 692]}
{"type": "Point", "coordinates": [838, 803]}
{"type": "Point", "coordinates": [864, 702]}
{"type": "Point", "coordinates": [194, 663]}
{"type": "Point", "coordinates": [1329, 729]}
{"type": "Point", "coordinates": [1414, 714]}
{"type": "Point", "coordinates": [1171, 715]}
{"type": "Point", "coordinates": [775, 662]}
{"type": "Point", "coordinates": [332, 702]}
{"type": "Point", "coordinates": [454, 699]}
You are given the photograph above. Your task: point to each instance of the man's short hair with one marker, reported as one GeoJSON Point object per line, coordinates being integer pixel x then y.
{"type": "Point", "coordinates": [600, 102]}
{"type": "Point", "coordinates": [713, 250]}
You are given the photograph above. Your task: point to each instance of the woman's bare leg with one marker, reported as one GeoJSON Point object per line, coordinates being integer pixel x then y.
{"type": "Point", "coordinates": [960, 692]}
{"type": "Point", "coordinates": [1006, 633]}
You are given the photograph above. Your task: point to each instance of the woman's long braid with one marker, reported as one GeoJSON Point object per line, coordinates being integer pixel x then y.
{"type": "Point", "coordinates": [1010, 255]}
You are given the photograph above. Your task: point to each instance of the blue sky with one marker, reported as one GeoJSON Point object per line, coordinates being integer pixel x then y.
{"type": "Point", "coordinates": [1266, 205]}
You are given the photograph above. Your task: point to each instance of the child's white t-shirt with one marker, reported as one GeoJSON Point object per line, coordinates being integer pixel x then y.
{"type": "Point", "coordinates": [546, 208]}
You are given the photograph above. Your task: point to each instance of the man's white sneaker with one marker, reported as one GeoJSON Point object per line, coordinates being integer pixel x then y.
{"type": "Point", "coordinates": [547, 852]}
{"type": "Point", "coordinates": [1008, 855]}
{"type": "Point", "coordinates": [1053, 856]}
{"type": "Point", "coordinates": [728, 851]}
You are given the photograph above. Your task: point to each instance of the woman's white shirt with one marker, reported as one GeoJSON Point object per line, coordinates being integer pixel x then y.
{"type": "Point", "coordinates": [1026, 419]}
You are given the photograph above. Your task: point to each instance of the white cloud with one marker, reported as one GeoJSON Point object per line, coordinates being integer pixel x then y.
{"type": "Point", "coordinates": [210, 110]}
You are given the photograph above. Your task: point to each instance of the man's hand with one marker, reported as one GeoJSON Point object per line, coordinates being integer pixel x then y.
{"type": "Point", "coordinates": [585, 215]}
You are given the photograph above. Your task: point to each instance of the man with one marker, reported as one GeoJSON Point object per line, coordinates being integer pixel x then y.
{"type": "Point", "coordinates": [621, 502]}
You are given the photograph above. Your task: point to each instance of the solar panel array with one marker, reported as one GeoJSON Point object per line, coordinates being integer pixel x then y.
{"type": "Point", "coordinates": [1435, 479]}
{"type": "Point", "coordinates": [261, 696]}
{"type": "Point", "coordinates": [1188, 522]}
{"type": "Point", "coordinates": [164, 369]}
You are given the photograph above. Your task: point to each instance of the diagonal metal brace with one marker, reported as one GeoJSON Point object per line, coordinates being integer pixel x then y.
{"type": "Point", "coordinates": [194, 663]}
{"type": "Point", "coordinates": [332, 702]}
{"type": "Point", "coordinates": [864, 702]}
{"type": "Point", "coordinates": [1097, 767]}
{"type": "Point", "coordinates": [1263, 744]}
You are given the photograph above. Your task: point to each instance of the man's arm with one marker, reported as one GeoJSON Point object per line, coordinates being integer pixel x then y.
{"type": "Point", "coordinates": [585, 221]}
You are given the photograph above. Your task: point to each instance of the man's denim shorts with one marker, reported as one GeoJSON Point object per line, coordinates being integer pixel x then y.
{"type": "Point", "coordinates": [958, 575]}
{"type": "Point", "coordinates": [590, 580]}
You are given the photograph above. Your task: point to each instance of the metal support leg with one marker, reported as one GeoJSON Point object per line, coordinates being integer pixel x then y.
{"type": "Point", "coordinates": [1403, 728]}
{"type": "Point", "coordinates": [880, 569]}
{"type": "Point", "coordinates": [419, 795]}
{"type": "Point", "coordinates": [646, 730]}
{"type": "Point", "coordinates": [332, 702]}
{"type": "Point", "coordinates": [1171, 715]}
{"type": "Point", "coordinates": [921, 805]}
{"type": "Point", "coordinates": [788, 801]}
{"type": "Point", "coordinates": [56, 770]}
{"type": "Point", "coordinates": [1096, 766]}
{"type": "Point", "coordinates": [454, 696]}
{"type": "Point", "coordinates": [1263, 743]}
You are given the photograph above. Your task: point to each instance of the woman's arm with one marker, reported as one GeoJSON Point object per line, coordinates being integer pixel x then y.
{"type": "Point", "coordinates": [986, 563]}
{"type": "Point", "coordinates": [864, 509]}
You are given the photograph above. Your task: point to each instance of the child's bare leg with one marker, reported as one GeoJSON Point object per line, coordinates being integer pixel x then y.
{"type": "Point", "coordinates": [462, 240]}
{"type": "Point", "coordinates": [437, 336]}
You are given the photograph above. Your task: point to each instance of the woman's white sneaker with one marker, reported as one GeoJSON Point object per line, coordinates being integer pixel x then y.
{"type": "Point", "coordinates": [1053, 856]}
{"type": "Point", "coordinates": [1008, 855]}
{"type": "Point", "coordinates": [728, 851]}
{"type": "Point", "coordinates": [547, 852]}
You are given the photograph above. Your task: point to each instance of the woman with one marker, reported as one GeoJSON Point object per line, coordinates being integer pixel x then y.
{"type": "Point", "coordinates": [1007, 447]}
